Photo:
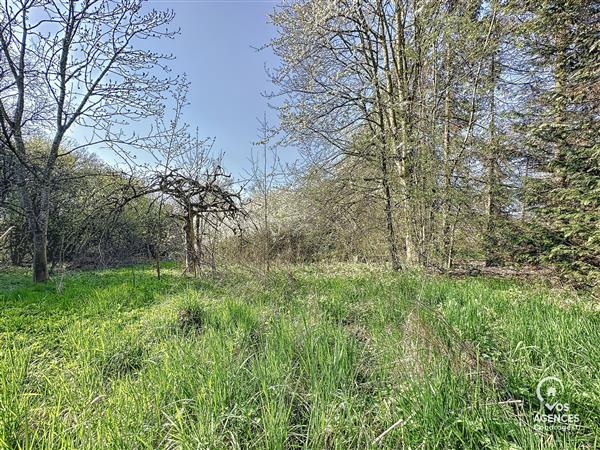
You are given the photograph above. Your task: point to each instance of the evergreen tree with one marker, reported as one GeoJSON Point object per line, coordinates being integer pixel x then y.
{"type": "Point", "coordinates": [565, 137]}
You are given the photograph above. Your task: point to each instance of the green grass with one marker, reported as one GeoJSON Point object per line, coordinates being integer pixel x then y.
{"type": "Point", "coordinates": [326, 358]}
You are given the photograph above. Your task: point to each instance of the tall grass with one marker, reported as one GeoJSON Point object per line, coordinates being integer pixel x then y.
{"type": "Point", "coordinates": [334, 359]}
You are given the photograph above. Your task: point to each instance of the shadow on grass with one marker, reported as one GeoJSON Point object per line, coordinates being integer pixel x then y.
{"type": "Point", "coordinates": [30, 308]}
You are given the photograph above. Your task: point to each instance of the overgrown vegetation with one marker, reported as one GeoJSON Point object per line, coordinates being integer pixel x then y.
{"type": "Point", "coordinates": [317, 357]}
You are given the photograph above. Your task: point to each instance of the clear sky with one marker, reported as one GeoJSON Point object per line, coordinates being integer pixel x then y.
{"type": "Point", "coordinates": [217, 51]}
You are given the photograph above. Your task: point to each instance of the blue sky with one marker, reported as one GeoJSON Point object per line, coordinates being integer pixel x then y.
{"type": "Point", "coordinates": [216, 49]}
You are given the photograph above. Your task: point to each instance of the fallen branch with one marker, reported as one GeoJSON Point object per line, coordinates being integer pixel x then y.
{"type": "Point", "coordinates": [6, 233]}
{"type": "Point", "coordinates": [379, 438]}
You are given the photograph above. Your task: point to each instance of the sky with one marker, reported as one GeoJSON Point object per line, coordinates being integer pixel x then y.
{"type": "Point", "coordinates": [217, 51]}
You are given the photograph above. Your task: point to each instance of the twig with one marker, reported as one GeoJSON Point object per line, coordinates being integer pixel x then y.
{"type": "Point", "coordinates": [379, 438]}
{"type": "Point", "coordinates": [6, 233]}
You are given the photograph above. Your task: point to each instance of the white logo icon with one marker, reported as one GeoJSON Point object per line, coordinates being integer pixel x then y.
{"type": "Point", "coordinates": [548, 391]}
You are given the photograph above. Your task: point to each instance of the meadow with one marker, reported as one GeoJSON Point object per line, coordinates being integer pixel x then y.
{"type": "Point", "coordinates": [315, 357]}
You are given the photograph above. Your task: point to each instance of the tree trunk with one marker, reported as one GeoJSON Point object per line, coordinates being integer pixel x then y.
{"type": "Point", "coordinates": [158, 239]}
{"type": "Point", "coordinates": [36, 205]}
{"type": "Point", "coordinates": [446, 238]}
{"type": "Point", "coordinates": [391, 233]}
{"type": "Point", "coordinates": [37, 216]}
{"type": "Point", "coordinates": [16, 245]}
{"type": "Point", "coordinates": [190, 240]}
{"type": "Point", "coordinates": [40, 258]}
{"type": "Point", "coordinates": [199, 246]}
{"type": "Point", "coordinates": [490, 245]}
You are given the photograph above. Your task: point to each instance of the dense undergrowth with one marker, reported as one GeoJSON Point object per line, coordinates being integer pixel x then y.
{"type": "Point", "coordinates": [321, 357]}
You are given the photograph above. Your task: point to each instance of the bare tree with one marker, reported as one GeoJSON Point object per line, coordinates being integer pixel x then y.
{"type": "Point", "coordinates": [332, 72]}
{"type": "Point", "coordinates": [204, 201]}
{"type": "Point", "coordinates": [265, 174]}
{"type": "Point", "coordinates": [186, 174]}
{"type": "Point", "coordinates": [72, 63]}
{"type": "Point", "coordinates": [408, 76]}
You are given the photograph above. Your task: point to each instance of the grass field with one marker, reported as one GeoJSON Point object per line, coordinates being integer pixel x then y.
{"type": "Point", "coordinates": [326, 357]}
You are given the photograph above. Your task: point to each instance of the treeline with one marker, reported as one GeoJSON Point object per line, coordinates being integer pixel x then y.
{"type": "Point", "coordinates": [444, 131]}
{"type": "Point", "coordinates": [94, 221]}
